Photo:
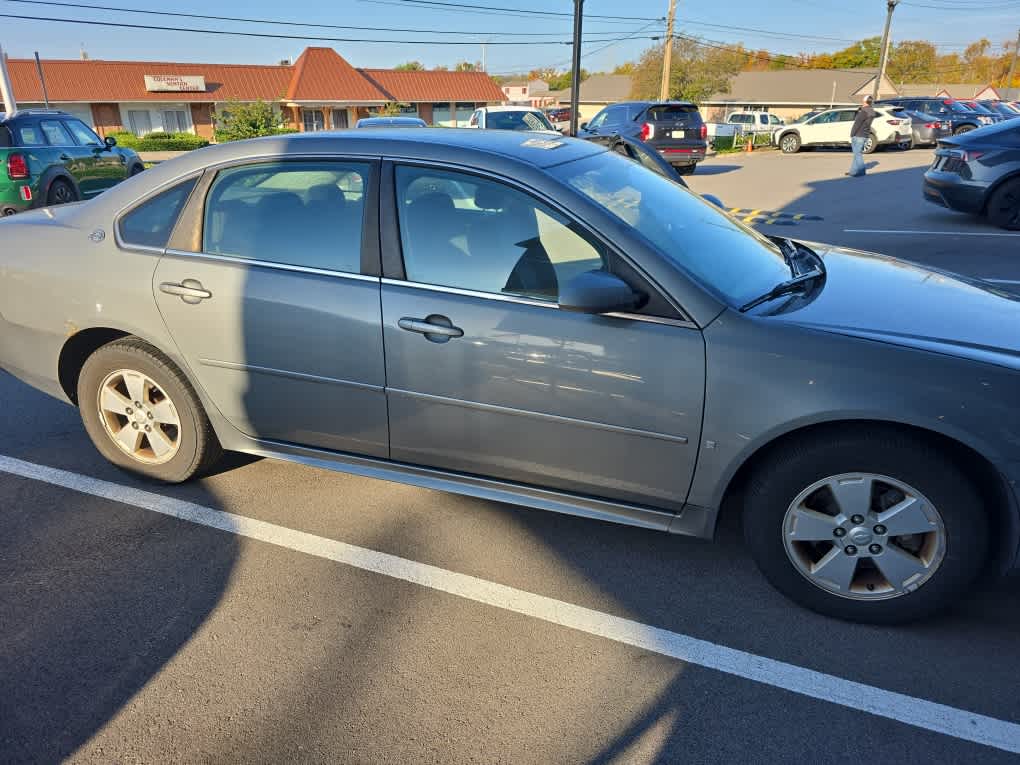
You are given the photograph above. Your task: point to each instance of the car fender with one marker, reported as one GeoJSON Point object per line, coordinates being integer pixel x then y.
{"type": "Point", "coordinates": [785, 133]}
{"type": "Point", "coordinates": [52, 173]}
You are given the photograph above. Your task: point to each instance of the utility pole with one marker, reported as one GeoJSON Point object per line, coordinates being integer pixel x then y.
{"type": "Point", "coordinates": [42, 80]}
{"type": "Point", "coordinates": [884, 53]}
{"type": "Point", "coordinates": [575, 69]}
{"type": "Point", "coordinates": [667, 53]}
{"type": "Point", "coordinates": [6, 91]}
{"type": "Point", "coordinates": [1012, 67]}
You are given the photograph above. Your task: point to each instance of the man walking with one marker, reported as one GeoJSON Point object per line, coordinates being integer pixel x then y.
{"type": "Point", "coordinates": [859, 133]}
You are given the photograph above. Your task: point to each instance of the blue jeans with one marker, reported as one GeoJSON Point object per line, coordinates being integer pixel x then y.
{"type": "Point", "coordinates": [857, 146]}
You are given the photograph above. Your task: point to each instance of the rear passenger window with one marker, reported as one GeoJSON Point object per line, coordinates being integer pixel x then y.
{"type": "Point", "coordinates": [55, 133]}
{"type": "Point", "coordinates": [150, 224]}
{"type": "Point", "coordinates": [295, 213]}
{"type": "Point", "coordinates": [29, 135]}
{"type": "Point", "coordinates": [459, 230]}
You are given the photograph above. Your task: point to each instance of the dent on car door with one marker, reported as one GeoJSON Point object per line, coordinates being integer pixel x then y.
{"type": "Point", "coordinates": [487, 375]}
{"type": "Point", "coordinates": [271, 297]}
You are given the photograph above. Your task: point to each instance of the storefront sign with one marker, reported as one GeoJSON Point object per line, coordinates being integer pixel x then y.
{"type": "Point", "coordinates": [175, 83]}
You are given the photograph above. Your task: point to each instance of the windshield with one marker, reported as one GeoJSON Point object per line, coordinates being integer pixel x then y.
{"type": "Point", "coordinates": [522, 120]}
{"type": "Point", "coordinates": [723, 254]}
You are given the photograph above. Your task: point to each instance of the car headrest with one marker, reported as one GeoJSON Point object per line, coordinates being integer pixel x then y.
{"type": "Point", "coordinates": [435, 205]}
{"type": "Point", "coordinates": [326, 193]}
{"type": "Point", "coordinates": [488, 196]}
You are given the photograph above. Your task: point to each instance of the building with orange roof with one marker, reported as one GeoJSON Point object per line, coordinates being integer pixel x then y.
{"type": "Point", "coordinates": [318, 91]}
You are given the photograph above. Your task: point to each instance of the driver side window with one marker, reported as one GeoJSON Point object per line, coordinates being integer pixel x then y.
{"type": "Point", "coordinates": [463, 231]}
{"type": "Point", "coordinates": [824, 119]}
{"type": "Point", "coordinates": [597, 120]}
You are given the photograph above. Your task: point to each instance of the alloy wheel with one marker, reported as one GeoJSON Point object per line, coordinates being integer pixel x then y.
{"type": "Point", "coordinates": [864, 536]}
{"type": "Point", "coordinates": [139, 417]}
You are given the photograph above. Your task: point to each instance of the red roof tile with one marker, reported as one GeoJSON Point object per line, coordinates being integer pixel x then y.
{"type": "Point", "coordinates": [435, 86]}
{"type": "Point", "coordinates": [319, 74]}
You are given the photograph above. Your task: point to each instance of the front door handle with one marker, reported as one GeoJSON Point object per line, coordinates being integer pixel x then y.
{"type": "Point", "coordinates": [65, 158]}
{"type": "Point", "coordinates": [190, 290]}
{"type": "Point", "coordinates": [436, 328]}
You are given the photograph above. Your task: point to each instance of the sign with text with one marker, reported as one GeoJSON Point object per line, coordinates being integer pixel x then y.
{"type": "Point", "coordinates": [175, 83]}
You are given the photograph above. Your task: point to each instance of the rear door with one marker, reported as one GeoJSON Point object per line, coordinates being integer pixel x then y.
{"type": "Point", "coordinates": [487, 375]}
{"type": "Point", "coordinates": [271, 292]}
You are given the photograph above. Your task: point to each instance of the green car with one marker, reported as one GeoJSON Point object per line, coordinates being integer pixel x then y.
{"type": "Point", "coordinates": [51, 158]}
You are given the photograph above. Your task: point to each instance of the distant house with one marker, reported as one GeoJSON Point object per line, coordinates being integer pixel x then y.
{"type": "Point", "coordinates": [596, 92]}
{"type": "Point", "coordinates": [319, 91]}
{"type": "Point", "coordinates": [526, 93]}
{"type": "Point", "coordinates": [789, 93]}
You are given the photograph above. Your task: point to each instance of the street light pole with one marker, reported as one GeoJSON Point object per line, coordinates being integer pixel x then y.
{"type": "Point", "coordinates": [883, 54]}
{"type": "Point", "coordinates": [6, 91]}
{"type": "Point", "coordinates": [575, 69]}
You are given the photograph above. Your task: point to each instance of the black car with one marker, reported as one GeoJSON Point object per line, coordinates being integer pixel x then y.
{"type": "Point", "coordinates": [979, 173]}
{"type": "Point", "coordinates": [960, 116]}
{"type": "Point", "coordinates": [673, 128]}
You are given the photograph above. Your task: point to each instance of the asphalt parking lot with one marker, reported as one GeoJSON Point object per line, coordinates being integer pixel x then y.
{"type": "Point", "coordinates": [274, 613]}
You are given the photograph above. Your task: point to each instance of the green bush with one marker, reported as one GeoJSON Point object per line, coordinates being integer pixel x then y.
{"type": "Point", "coordinates": [160, 141]}
{"type": "Point", "coordinates": [238, 121]}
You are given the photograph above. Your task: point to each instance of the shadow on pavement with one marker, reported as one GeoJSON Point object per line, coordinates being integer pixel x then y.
{"type": "Point", "coordinates": [714, 169]}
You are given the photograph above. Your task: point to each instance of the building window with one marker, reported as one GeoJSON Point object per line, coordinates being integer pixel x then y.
{"type": "Point", "coordinates": [176, 121]}
{"type": "Point", "coordinates": [340, 119]}
{"type": "Point", "coordinates": [139, 121]}
{"type": "Point", "coordinates": [313, 120]}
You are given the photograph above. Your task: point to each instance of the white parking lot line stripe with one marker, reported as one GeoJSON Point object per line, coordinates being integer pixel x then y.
{"type": "Point", "coordinates": [929, 715]}
{"type": "Point", "coordinates": [934, 233]}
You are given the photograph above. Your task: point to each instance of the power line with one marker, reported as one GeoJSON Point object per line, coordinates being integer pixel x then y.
{"type": "Point", "coordinates": [269, 35]}
{"type": "Point", "coordinates": [529, 11]}
{"type": "Point", "coordinates": [283, 22]}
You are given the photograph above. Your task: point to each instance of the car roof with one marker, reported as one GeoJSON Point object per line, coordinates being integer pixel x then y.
{"type": "Point", "coordinates": [510, 108]}
{"type": "Point", "coordinates": [390, 120]}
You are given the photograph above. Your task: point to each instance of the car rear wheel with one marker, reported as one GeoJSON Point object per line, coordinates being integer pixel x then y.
{"type": "Point", "coordinates": [143, 415]}
{"type": "Point", "coordinates": [963, 129]}
{"type": "Point", "coordinates": [790, 143]}
{"type": "Point", "coordinates": [60, 193]}
{"type": "Point", "coordinates": [136, 170]}
{"type": "Point", "coordinates": [868, 527]}
{"type": "Point", "coordinates": [1004, 206]}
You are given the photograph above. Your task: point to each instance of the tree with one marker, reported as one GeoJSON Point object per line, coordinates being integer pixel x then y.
{"type": "Point", "coordinates": [863, 53]}
{"type": "Point", "coordinates": [441, 68]}
{"type": "Point", "coordinates": [410, 66]}
{"type": "Point", "coordinates": [389, 109]}
{"type": "Point", "coordinates": [237, 121]}
{"type": "Point", "coordinates": [912, 61]}
{"type": "Point", "coordinates": [697, 71]}
{"type": "Point", "coordinates": [467, 66]}
{"type": "Point", "coordinates": [624, 68]}
{"type": "Point", "coordinates": [564, 80]}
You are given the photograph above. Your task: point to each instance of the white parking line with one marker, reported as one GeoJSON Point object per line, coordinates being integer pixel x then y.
{"type": "Point", "coordinates": [920, 713]}
{"type": "Point", "coordinates": [934, 233]}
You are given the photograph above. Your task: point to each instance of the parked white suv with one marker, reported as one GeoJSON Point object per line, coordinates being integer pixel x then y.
{"type": "Point", "coordinates": [511, 118]}
{"type": "Point", "coordinates": [832, 128]}
{"type": "Point", "coordinates": [754, 122]}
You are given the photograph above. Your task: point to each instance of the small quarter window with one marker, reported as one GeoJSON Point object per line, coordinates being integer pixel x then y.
{"type": "Point", "coordinates": [150, 224]}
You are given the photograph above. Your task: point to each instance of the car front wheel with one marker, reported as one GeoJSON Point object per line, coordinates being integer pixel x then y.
{"type": "Point", "coordinates": [143, 415]}
{"type": "Point", "coordinates": [871, 144]}
{"type": "Point", "coordinates": [870, 527]}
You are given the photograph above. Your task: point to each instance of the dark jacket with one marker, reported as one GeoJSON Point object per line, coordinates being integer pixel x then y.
{"type": "Point", "coordinates": [862, 122]}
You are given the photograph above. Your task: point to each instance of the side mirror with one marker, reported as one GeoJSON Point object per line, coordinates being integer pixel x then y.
{"type": "Point", "coordinates": [110, 142]}
{"type": "Point", "coordinates": [598, 292]}
{"type": "Point", "coordinates": [583, 126]}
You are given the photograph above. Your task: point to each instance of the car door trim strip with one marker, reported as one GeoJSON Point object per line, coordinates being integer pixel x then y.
{"type": "Point", "coordinates": [536, 303]}
{"type": "Point", "coordinates": [539, 415]}
{"type": "Point", "coordinates": [277, 266]}
{"type": "Point", "coordinates": [237, 366]}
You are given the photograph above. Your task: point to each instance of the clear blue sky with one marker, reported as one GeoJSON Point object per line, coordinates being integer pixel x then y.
{"type": "Point", "coordinates": [842, 19]}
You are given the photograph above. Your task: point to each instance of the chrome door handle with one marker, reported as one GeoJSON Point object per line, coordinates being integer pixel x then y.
{"type": "Point", "coordinates": [436, 328]}
{"type": "Point", "coordinates": [190, 290]}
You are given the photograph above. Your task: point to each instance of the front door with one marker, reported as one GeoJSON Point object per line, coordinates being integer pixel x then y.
{"type": "Point", "coordinates": [272, 311]}
{"type": "Point", "coordinates": [79, 160]}
{"type": "Point", "coordinates": [821, 130]}
{"type": "Point", "coordinates": [109, 166]}
{"type": "Point", "coordinates": [486, 375]}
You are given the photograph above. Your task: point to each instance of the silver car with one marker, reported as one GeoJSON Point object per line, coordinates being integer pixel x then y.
{"type": "Point", "coordinates": [534, 319]}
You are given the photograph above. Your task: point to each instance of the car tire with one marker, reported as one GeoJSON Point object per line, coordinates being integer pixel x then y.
{"type": "Point", "coordinates": [135, 170]}
{"type": "Point", "coordinates": [781, 487]}
{"type": "Point", "coordinates": [871, 145]}
{"type": "Point", "coordinates": [60, 192]}
{"type": "Point", "coordinates": [186, 444]}
{"type": "Point", "coordinates": [1003, 208]}
{"type": "Point", "coordinates": [963, 129]}
{"type": "Point", "coordinates": [686, 169]}
{"type": "Point", "coordinates": [789, 143]}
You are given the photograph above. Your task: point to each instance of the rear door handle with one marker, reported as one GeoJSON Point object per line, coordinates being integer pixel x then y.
{"type": "Point", "coordinates": [64, 158]}
{"type": "Point", "coordinates": [190, 290]}
{"type": "Point", "coordinates": [436, 328]}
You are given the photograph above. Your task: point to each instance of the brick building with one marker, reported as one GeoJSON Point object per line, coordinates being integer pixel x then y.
{"type": "Point", "coordinates": [319, 91]}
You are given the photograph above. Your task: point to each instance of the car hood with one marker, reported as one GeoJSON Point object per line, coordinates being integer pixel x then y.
{"type": "Point", "coordinates": [893, 301]}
